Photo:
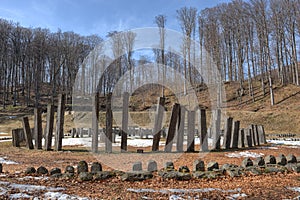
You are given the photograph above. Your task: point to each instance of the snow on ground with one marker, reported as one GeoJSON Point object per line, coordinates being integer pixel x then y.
{"type": "Point", "coordinates": [296, 189]}
{"type": "Point", "coordinates": [8, 162]}
{"type": "Point", "coordinates": [179, 194]}
{"type": "Point", "coordinates": [244, 154]}
{"type": "Point", "coordinates": [28, 191]}
{"type": "Point", "coordinates": [296, 144]}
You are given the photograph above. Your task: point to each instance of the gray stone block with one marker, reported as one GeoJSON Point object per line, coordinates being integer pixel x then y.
{"type": "Point", "coordinates": [291, 158]}
{"type": "Point", "coordinates": [270, 159]}
{"type": "Point", "coordinates": [212, 165]}
{"type": "Point", "coordinates": [281, 160]}
{"type": "Point", "coordinates": [198, 165]}
{"type": "Point", "coordinates": [259, 161]}
{"type": "Point", "coordinates": [85, 176]}
{"type": "Point", "coordinates": [137, 166]}
{"type": "Point", "coordinates": [151, 166]}
{"type": "Point", "coordinates": [82, 167]}
{"type": "Point", "coordinates": [247, 162]}
{"type": "Point", "coordinates": [96, 167]}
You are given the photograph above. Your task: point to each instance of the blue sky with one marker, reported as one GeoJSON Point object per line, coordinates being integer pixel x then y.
{"type": "Point", "coordinates": [88, 17]}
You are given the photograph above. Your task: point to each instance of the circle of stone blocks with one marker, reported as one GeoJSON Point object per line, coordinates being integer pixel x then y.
{"type": "Point", "coordinates": [270, 159]}
{"type": "Point", "coordinates": [137, 166]}
{"type": "Point", "coordinates": [198, 165]}
{"type": "Point", "coordinates": [96, 167]}
{"type": "Point", "coordinates": [82, 166]}
{"type": "Point", "coordinates": [152, 166]}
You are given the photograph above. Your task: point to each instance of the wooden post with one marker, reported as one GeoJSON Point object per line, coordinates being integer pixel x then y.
{"type": "Point", "coordinates": [109, 123]}
{"type": "Point", "coordinates": [246, 133]}
{"type": "Point", "coordinates": [38, 133]}
{"type": "Point", "coordinates": [172, 127]}
{"type": "Point", "coordinates": [27, 132]}
{"type": "Point", "coordinates": [203, 131]}
{"type": "Point", "coordinates": [191, 132]}
{"type": "Point", "coordinates": [95, 120]}
{"type": "Point", "coordinates": [60, 122]}
{"type": "Point", "coordinates": [250, 138]}
{"type": "Point", "coordinates": [235, 134]}
{"type": "Point", "coordinates": [262, 135]}
{"type": "Point", "coordinates": [216, 131]}
{"type": "Point", "coordinates": [253, 135]}
{"type": "Point", "coordinates": [241, 143]}
{"type": "Point", "coordinates": [158, 123]}
{"type": "Point", "coordinates": [180, 132]}
{"type": "Point", "coordinates": [49, 127]}
{"type": "Point", "coordinates": [15, 137]}
{"type": "Point", "coordinates": [124, 130]}
{"type": "Point", "coordinates": [228, 133]}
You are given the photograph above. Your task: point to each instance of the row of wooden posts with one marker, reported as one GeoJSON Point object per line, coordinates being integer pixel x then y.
{"type": "Point", "coordinates": [234, 137]}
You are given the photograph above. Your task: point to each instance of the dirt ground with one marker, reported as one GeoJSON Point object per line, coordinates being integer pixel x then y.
{"type": "Point", "coordinates": [268, 186]}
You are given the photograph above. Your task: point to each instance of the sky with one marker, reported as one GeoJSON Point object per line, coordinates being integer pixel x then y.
{"type": "Point", "coordinates": [87, 17]}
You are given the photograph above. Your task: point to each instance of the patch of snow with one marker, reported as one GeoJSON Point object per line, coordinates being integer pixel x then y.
{"type": "Point", "coordinates": [245, 154]}
{"type": "Point", "coordinates": [8, 162]}
{"type": "Point", "coordinates": [2, 191]}
{"type": "Point", "coordinates": [182, 191]}
{"type": "Point", "coordinates": [140, 190]}
{"type": "Point", "coordinates": [34, 178]}
{"type": "Point", "coordinates": [61, 196]}
{"type": "Point", "coordinates": [296, 189]}
{"type": "Point", "coordinates": [4, 183]}
{"type": "Point", "coordinates": [19, 196]}
{"type": "Point", "coordinates": [28, 188]}
{"type": "Point", "coordinates": [268, 147]}
{"type": "Point", "coordinates": [2, 175]}
{"type": "Point", "coordinates": [285, 142]}
{"type": "Point", "coordinates": [237, 196]}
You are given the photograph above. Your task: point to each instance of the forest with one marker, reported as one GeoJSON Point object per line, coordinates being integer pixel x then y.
{"type": "Point", "coordinates": [256, 40]}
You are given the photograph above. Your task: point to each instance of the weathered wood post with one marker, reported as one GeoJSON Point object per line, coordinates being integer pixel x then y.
{"type": "Point", "coordinates": [203, 130]}
{"type": "Point", "coordinates": [250, 137]}
{"type": "Point", "coordinates": [235, 134]}
{"type": "Point", "coordinates": [15, 137]}
{"type": "Point", "coordinates": [172, 127]}
{"type": "Point", "coordinates": [124, 130]}
{"type": "Point", "coordinates": [180, 131]}
{"type": "Point", "coordinates": [255, 131]}
{"type": "Point", "coordinates": [191, 131]}
{"type": "Point", "coordinates": [158, 123]}
{"type": "Point", "coordinates": [262, 135]}
{"type": "Point", "coordinates": [109, 124]}
{"type": "Point", "coordinates": [49, 127]}
{"type": "Point", "coordinates": [95, 120]}
{"type": "Point", "coordinates": [253, 135]}
{"type": "Point", "coordinates": [60, 122]}
{"type": "Point", "coordinates": [216, 130]}
{"type": "Point", "coordinates": [246, 133]}
{"type": "Point", "coordinates": [241, 143]}
{"type": "Point", "coordinates": [38, 132]}
{"type": "Point", "coordinates": [27, 132]}
{"type": "Point", "coordinates": [228, 133]}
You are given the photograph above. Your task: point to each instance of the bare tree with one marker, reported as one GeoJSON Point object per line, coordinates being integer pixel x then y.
{"type": "Point", "coordinates": [160, 21]}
